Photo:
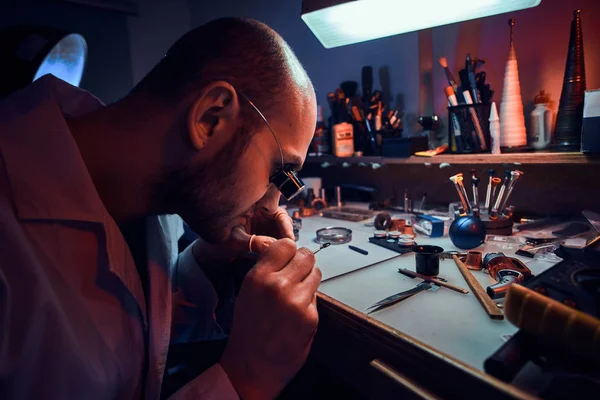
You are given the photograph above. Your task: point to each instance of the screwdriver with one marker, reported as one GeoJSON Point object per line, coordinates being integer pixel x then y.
{"type": "Point", "coordinates": [323, 246]}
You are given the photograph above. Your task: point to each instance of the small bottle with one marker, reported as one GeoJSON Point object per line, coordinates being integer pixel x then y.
{"type": "Point", "coordinates": [342, 134]}
{"type": "Point", "coordinates": [541, 122]}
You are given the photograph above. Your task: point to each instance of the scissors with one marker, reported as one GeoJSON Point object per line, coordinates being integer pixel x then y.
{"type": "Point", "coordinates": [398, 297]}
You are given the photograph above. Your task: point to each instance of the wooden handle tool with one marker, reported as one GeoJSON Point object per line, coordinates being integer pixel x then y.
{"type": "Point", "coordinates": [488, 304]}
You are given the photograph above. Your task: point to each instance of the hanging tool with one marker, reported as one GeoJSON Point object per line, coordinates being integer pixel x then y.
{"type": "Point", "coordinates": [488, 194]}
{"type": "Point", "coordinates": [475, 184]}
{"type": "Point", "coordinates": [494, 213]}
{"type": "Point", "coordinates": [462, 193]}
{"type": "Point", "coordinates": [515, 175]}
{"type": "Point", "coordinates": [398, 297]}
{"type": "Point", "coordinates": [495, 182]}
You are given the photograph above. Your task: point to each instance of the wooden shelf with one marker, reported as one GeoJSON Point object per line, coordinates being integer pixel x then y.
{"type": "Point", "coordinates": [462, 159]}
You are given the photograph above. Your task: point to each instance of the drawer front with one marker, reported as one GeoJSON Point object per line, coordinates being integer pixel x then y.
{"type": "Point", "coordinates": [381, 362]}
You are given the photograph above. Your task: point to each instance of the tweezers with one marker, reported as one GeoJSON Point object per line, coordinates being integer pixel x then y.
{"type": "Point", "coordinates": [398, 297]}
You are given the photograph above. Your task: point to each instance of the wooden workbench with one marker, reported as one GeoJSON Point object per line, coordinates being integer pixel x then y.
{"type": "Point", "coordinates": [432, 345]}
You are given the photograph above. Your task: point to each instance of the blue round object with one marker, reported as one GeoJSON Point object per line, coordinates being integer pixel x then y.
{"type": "Point", "coordinates": [467, 232]}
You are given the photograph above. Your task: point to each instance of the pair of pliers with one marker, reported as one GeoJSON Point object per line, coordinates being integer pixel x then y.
{"type": "Point", "coordinates": [398, 297]}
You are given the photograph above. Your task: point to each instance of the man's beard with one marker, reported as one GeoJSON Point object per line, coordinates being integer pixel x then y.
{"type": "Point", "coordinates": [201, 194]}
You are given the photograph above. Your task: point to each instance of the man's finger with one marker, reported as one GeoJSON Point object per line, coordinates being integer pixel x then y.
{"type": "Point", "coordinates": [312, 281]}
{"type": "Point", "coordinates": [284, 224]}
{"type": "Point", "coordinates": [300, 266]}
{"type": "Point", "coordinates": [277, 255]}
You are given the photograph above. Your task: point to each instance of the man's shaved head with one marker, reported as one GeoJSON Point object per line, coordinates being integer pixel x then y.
{"type": "Point", "coordinates": [218, 154]}
{"type": "Point", "coordinates": [248, 54]}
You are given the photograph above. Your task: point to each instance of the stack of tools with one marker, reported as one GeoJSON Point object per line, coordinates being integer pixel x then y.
{"type": "Point", "coordinates": [570, 110]}
{"type": "Point", "coordinates": [495, 212]}
{"type": "Point", "coordinates": [469, 106]}
{"type": "Point", "coordinates": [512, 119]}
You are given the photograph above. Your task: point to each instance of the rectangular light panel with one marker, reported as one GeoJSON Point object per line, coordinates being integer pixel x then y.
{"type": "Point", "coordinates": [362, 20]}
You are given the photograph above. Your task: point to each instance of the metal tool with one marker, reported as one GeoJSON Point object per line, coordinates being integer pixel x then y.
{"type": "Point", "coordinates": [338, 196]}
{"type": "Point", "coordinates": [323, 246]}
{"type": "Point", "coordinates": [462, 194]}
{"type": "Point", "coordinates": [495, 183]}
{"type": "Point", "coordinates": [488, 194]}
{"type": "Point", "coordinates": [398, 297]}
{"type": "Point", "coordinates": [494, 213]}
{"type": "Point", "coordinates": [506, 271]}
{"type": "Point", "coordinates": [367, 266]}
{"type": "Point", "coordinates": [435, 280]}
{"type": "Point", "coordinates": [515, 175]}
{"type": "Point", "coordinates": [475, 184]}
{"type": "Point", "coordinates": [422, 204]}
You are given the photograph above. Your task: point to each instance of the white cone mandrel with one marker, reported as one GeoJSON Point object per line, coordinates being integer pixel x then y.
{"type": "Point", "coordinates": [512, 129]}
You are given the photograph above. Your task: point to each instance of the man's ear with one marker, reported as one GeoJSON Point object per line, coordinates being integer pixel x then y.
{"type": "Point", "coordinates": [215, 111]}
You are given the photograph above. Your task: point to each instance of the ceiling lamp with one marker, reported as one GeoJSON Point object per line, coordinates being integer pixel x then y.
{"type": "Point", "coordinates": [341, 22]}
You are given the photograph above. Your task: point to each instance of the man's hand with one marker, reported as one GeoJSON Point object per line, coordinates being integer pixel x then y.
{"type": "Point", "coordinates": [267, 226]}
{"type": "Point", "coordinates": [262, 229]}
{"type": "Point", "coordinates": [274, 321]}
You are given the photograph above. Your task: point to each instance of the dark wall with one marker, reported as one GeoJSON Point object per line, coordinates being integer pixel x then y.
{"type": "Point", "coordinates": [108, 71]}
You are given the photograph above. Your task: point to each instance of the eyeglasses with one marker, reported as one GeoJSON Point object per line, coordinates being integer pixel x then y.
{"type": "Point", "coordinates": [286, 179]}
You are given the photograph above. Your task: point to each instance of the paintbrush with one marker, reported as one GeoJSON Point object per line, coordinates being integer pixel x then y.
{"type": "Point", "coordinates": [444, 64]}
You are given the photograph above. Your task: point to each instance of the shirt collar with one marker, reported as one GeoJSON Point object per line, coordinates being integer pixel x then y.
{"type": "Point", "coordinates": [47, 174]}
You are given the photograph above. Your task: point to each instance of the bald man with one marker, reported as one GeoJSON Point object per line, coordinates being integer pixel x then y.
{"type": "Point", "coordinates": [92, 286]}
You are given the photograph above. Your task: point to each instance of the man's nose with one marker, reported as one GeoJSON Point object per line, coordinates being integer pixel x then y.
{"type": "Point", "coordinates": [270, 201]}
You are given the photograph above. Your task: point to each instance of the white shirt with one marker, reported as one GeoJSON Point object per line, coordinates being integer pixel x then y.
{"type": "Point", "coordinates": [72, 308]}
